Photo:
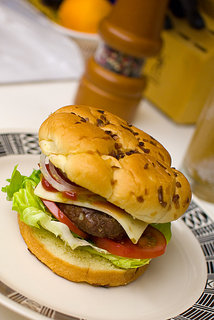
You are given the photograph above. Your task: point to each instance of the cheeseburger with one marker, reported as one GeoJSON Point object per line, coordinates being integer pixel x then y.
{"type": "Point", "coordinates": [99, 207]}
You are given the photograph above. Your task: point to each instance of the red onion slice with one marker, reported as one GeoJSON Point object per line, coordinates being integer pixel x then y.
{"type": "Point", "coordinates": [57, 177]}
{"type": "Point", "coordinates": [48, 177]}
{"type": "Point", "coordinates": [57, 181]}
{"type": "Point", "coordinates": [69, 186]}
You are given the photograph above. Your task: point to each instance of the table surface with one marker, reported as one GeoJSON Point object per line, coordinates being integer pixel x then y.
{"type": "Point", "coordinates": [25, 106]}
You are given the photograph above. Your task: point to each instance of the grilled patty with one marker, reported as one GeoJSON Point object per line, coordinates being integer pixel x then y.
{"type": "Point", "coordinates": [93, 221]}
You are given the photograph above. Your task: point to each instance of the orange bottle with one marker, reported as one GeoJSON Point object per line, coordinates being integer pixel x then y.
{"type": "Point", "coordinates": [113, 77]}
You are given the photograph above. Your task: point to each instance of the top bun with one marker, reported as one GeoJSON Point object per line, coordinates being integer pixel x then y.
{"type": "Point", "coordinates": [104, 154]}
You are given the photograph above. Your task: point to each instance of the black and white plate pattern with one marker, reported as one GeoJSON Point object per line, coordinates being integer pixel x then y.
{"type": "Point", "coordinates": [195, 218]}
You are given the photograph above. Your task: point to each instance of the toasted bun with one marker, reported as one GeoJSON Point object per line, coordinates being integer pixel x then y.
{"type": "Point", "coordinates": [75, 265]}
{"type": "Point", "coordinates": [103, 153]}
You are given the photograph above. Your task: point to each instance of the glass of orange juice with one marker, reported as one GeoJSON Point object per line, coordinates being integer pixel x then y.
{"type": "Point", "coordinates": [198, 164]}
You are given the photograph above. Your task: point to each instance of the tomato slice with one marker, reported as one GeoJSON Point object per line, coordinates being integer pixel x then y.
{"type": "Point", "coordinates": [67, 194]}
{"type": "Point", "coordinates": [70, 195]}
{"type": "Point", "coordinates": [57, 213]}
{"type": "Point", "coordinates": [47, 186]}
{"type": "Point", "coordinates": [151, 245]}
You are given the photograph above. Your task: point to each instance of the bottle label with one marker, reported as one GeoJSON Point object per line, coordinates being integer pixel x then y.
{"type": "Point", "coordinates": [118, 62]}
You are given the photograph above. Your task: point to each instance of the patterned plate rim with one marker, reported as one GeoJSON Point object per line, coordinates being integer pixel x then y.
{"type": "Point", "coordinates": [195, 218]}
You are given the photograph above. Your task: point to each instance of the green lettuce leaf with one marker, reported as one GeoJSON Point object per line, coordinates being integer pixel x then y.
{"type": "Point", "coordinates": [17, 181]}
{"type": "Point", "coordinates": [34, 213]}
{"type": "Point", "coordinates": [24, 201]}
{"type": "Point", "coordinates": [120, 262]}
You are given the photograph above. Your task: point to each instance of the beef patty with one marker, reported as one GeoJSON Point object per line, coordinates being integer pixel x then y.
{"type": "Point", "coordinates": [93, 222]}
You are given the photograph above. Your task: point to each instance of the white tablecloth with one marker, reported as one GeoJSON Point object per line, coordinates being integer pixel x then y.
{"type": "Point", "coordinates": [31, 49]}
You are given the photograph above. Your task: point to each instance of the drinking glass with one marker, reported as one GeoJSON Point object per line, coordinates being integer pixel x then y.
{"type": "Point", "coordinates": [198, 164]}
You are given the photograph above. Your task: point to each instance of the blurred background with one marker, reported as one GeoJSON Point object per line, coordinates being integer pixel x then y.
{"type": "Point", "coordinates": [52, 39]}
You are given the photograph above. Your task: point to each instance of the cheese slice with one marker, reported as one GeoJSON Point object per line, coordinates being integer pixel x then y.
{"type": "Point", "coordinates": [133, 227]}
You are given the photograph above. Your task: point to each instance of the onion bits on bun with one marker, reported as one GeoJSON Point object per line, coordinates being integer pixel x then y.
{"type": "Point", "coordinates": [99, 207]}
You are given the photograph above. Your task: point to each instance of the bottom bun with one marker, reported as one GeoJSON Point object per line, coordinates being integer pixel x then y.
{"type": "Point", "coordinates": [75, 265]}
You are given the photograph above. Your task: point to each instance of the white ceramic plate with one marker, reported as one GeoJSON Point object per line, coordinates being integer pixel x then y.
{"type": "Point", "coordinates": [73, 33]}
{"type": "Point", "coordinates": [172, 284]}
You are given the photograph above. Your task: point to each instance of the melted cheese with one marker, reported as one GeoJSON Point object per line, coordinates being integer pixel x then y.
{"type": "Point", "coordinates": [133, 227]}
